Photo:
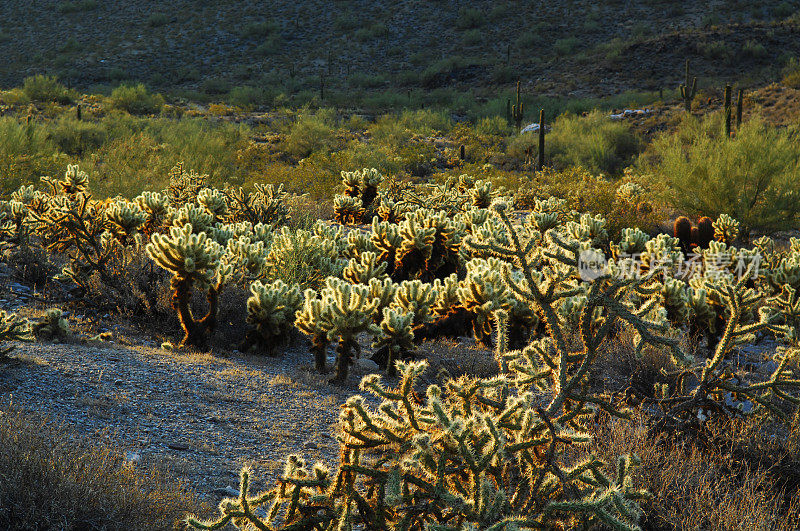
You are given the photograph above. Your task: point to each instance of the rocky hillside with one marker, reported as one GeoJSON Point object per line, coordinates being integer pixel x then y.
{"type": "Point", "coordinates": [563, 47]}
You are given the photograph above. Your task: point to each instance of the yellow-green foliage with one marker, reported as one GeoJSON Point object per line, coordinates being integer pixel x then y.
{"type": "Point", "coordinates": [752, 177]}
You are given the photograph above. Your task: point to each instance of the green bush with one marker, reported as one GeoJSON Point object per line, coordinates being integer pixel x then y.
{"type": "Point", "coordinates": [26, 153]}
{"type": "Point", "coordinates": [310, 132]}
{"type": "Point", "coordinates": [791, 73]}
{"type": "Point", "coordinates": [593, 142]}
{"type": "Point", "coordinates": [47, 88]}
{"type": "Point", "coordinates": [75, 137]}
{"type": "Point", "coordinates": [469, 18]}
{"type": "Point", "coordinates": [754, 177]}
{"type": "Point", "coordinates": [136, 99]}
{"type": "Point", "coordinates": [77, 6]}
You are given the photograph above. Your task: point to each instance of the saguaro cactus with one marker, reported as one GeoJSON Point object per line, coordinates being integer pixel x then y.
{"type": "Point", "coordinates": [688, 91]}
{"type": "Point", "coordinates": [728, 111]}
{"type": "Point", "coordinates": [540, 160]}
{"type": "Point", "coordinates": [517, 110]}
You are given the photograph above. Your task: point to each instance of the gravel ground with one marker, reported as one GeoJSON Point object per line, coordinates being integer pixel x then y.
{"type": "Point", "coordinates": [199, 417]}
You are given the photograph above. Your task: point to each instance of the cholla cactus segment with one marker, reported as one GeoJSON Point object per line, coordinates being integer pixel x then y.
{"type": "Point", "coordinates": [271, 309]}
{"type": "Point", "coordinates": [348, 210]}
{"type": "Point", "coordinates": [726, 229]}
{"type": "Point", "coordinates": [446, 295]}
{"type": "Point", "coordinates": [662, 254]}
{"type": "Point", "coordinates": [632, 241]}
{"type": "Point", "coordinates": [482, 194]}
{"type": "Point", "coordinates": [12, 328]}
{"type": "Point", "coordinates": [630, 193]}
{"type": "Point", "coordinates": [358, 242]}
{"type": "Point", "coordinates": [156, 207]}
{"type": "Point", "coordinates": [384, 292]}
{"type": "Point", "coordinates": [184, 185]}
{"type": "Point", "coordinates": [188, 256]}
{"type": "Point", "coordinates": [396, 336]}
{"type": "Point", "coordinates": [390, 211]}
{"type": "Point", "coordinates": [589, 229]}
{"type": "Point", "coordinates": [351, 180]}
{"type": "Point", "coordinates": [675, 296]}
{"type": "Point", "coordinates": [125, 218]}
{"type": "Point", "coordinates": [416, 298]}
{"type": "Point", "coordinates": [214, 202]}
{"type": "Point", "coordinates": [75, 182]}
{"type": "Point", "coordinates": [52, 325]}
{"type": "Point", "coordinates": [248, 257]}
{"type": "Point", "coordinates": [24, 194]}
{"type": "Point", "coordinates": [482, 293]}
{"type": "Point", "coordinates": [200, 219]}
{"type": "Point", "coordinates": [303, 257]}
{"type": "Point", "coordinates": [365, 268]}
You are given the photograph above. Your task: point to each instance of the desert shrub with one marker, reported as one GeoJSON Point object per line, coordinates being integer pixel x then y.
{"type": "Point", "coordinates": [566, 46]}
{"type": "Point", "coordinates": [371, 32]}
{"type": "Point", "coordinates": [492, 126]}
{"type": "Point", "coordinates": [754, 177]}
{"type": "Point", "coordinates": [53, 478]}
{"type": "Point", "coordinates": [469, 18]}
{"type": "Point", "coordinates": [26, 152]}
{"type": "Point", "coordinates": [310, 132]}
{"type": "Point", "coordinates": [156, 20]}
{"type": "Point", "coordinates": [754, 49]}
{"type": "Point", "coordinates": [46, 88]}
{"type": "Point", "coordinates": [791, 73]}
{"type": "Point", "coordinates": [75, 137]}
{"type": "Point", "coordinates": [593, 142]}
{"type": "Point", "coordinates": [136, 99]}
{"type": "Point", "coordinates": [77, 6]}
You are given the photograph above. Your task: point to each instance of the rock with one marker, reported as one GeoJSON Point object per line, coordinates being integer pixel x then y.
{"type": "Point", "coordinates": [365, 366]}
{"type": "Point", "coordinates": [310, 445]}
{"type": "Point", "coordinates": [178, 446]}
{"type": "Point", "coordinates": [226, 491]}
{"type": "Point", "coordinates": [133, 457]}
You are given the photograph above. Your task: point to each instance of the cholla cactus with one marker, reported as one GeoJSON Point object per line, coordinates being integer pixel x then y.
{"type": "Point", "coordinates": [632, 242]}
{"type": "Point", "coordinates": [430, 246]}
{"type": "Point", "coordinates": [384, 292]}
{"type": "Point", "coordinates": [156, 208]}
{"type": "Point", "coordinates": [52, 325]}
{"type": "Point", "coordinates": [348, 210]}
{"type": "Point", "coordinates": [271, 310]}
{"type": "Point", "coordinates": [417, 298]}
{"type": "Point", "coordinates": [386, 239]}
{"type": "Point", "coordinates": [184, 185]}
{"type": "Point", "coordinates": [630, 193]}
{"type": "Point", "coordinates": [214, 202]}
{"type": "Point", "coordinates": [589, 229]}
{"type": "Point", "coordinates": [342, 311]}
{"type": "Point", "coordinates": [482, 194]}
{"type": "Point", "coordinates": [396, 337]}
{"type": "Point", "coordinates": [364, 268]}
{"type": "Point", "coordinates": [390, 211]}
{"type": "Point", "coordinates": [482, 293]}
{"type": "Point", "coordinates": [675, 297]}
{"type": "Point", "coordinates": [479, 452]}
{"type": "Point", "coordinates": [200, 219]}
{"type": "Point", "coordinates": [351, 180]}
{"type": "Point", "coordinates": [358, 242]}
{"type": "Point", "coordinates": [250, 257]}
{"type": "Point", "coordinates": [726, 229]}
{"type": "Point", "coordinates": [662, 254]}
{"type": "Point", "coordinates": [12, 328]}
{"type": "Point", "coordinates": [74, 183]}
{"type": "Point", "coordinates": [125, 219]}
{"type": "Point", "coordinates": [194, 261]}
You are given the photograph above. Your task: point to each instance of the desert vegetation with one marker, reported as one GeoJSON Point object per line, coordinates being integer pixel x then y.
{"type": "Point", "coordinates": [514, 308]}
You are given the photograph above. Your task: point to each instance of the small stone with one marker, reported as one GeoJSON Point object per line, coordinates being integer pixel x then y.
{"type": "Point", "coordinates": [178, 446]}
{"type": "Point", "coordinates": [226, 491]}
{"type": "Point", "coordinates": [311, 445]}
{"type": "Point", "coordinates": [365, 366]}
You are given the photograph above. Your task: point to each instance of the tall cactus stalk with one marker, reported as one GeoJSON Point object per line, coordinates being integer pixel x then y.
{"type": "Point", "coordinates": [727, 111]}
{"type": "Point", "coordinates": [739, 108]}
{"type": "Point", "coordinates": [540, 161]}
{"type": "Point", "coordinates": [518, 111]}
{"type": "Point", "coordinates": [688, 91]}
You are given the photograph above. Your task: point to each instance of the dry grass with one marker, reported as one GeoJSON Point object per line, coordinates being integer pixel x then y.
{"type": "Point", "coordinates": [715, 486]}
{"type": "Point", "coordinates": [54, 480]}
